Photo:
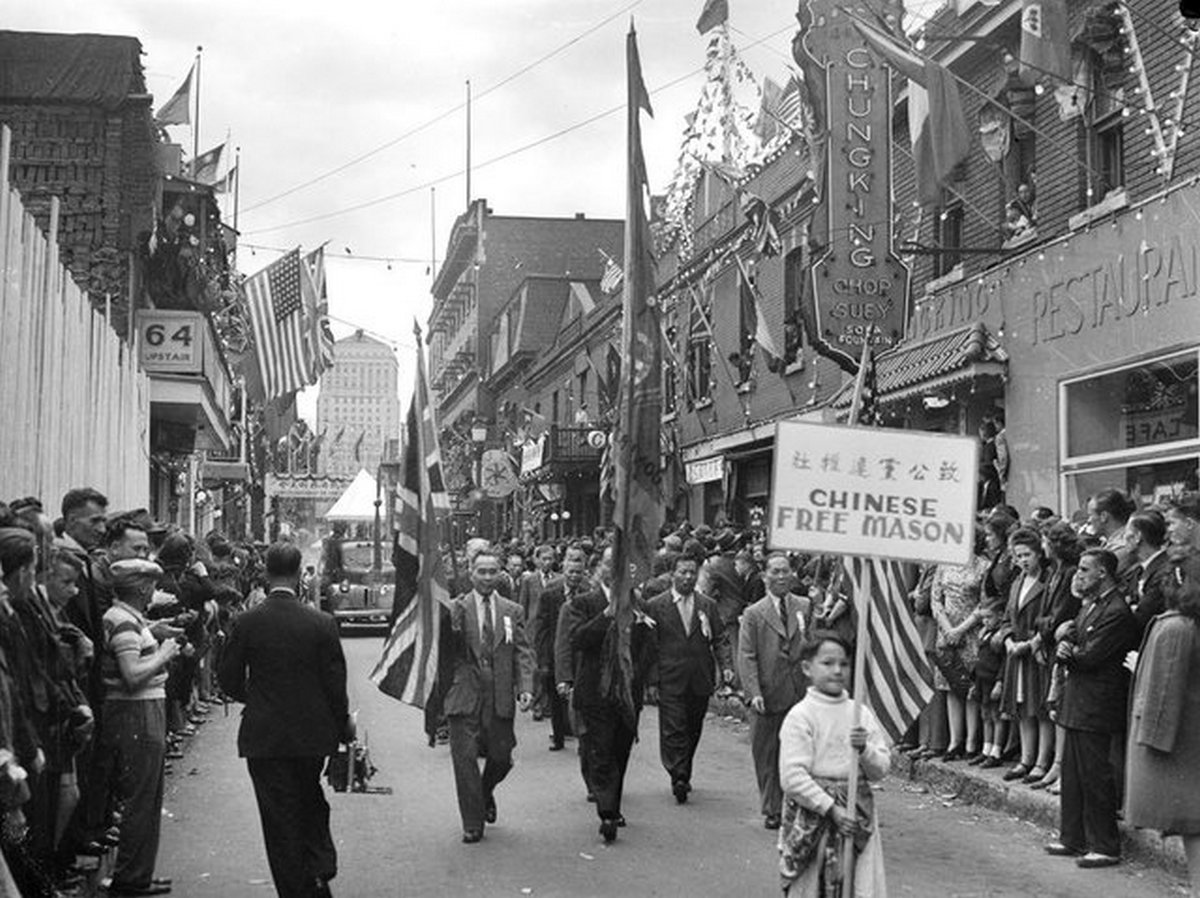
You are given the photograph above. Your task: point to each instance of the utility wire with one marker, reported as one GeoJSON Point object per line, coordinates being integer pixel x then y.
{"type": "Point", "coordinates": [444, 115]}
{"type": "Point", "coordinates": [495, 159]}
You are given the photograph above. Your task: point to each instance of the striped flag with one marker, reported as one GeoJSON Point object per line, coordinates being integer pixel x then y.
{"type": "Point", "coordinates": [276, 317]}
{"type": "Point", "coordinates": [899, 678]}
{"type": "Point", "coordinates": [408, 667]}
{"type": "Point", "coordinates": [318, 336]}
{"type": "Point", "coordinates": [790, 104]}
{"type": "Point", "coordinates": [610, 281]}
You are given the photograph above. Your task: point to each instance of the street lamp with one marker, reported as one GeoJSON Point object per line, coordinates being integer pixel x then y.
{"type": "Point", "coordinates": [564, 517]}
{"type": "Point", "coordinates": [554, 521]}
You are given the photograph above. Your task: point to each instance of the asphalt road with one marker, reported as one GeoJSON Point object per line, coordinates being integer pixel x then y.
{"type": "Point", "coordinates": [546, 843]}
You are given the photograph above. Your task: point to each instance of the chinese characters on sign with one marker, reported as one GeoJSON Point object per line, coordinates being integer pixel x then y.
{"type": "Point", "coordinates": [873, 492]}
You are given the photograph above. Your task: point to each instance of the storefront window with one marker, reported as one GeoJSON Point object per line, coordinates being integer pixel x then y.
{"type": "Point", "coordinates": [1133, 428]}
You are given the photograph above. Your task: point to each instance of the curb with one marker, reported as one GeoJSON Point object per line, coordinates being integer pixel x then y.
{"type": "Point", "coordinates": [987, 788]}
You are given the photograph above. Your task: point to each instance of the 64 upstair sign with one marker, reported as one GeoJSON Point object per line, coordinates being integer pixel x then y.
{"type": "Point", "coordinates": [171, 342]}
{"type": "Point", "coordinates": [859, 288]}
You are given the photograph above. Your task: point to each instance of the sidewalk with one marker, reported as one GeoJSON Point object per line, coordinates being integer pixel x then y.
{"type": "Point", "coordinates": [987, 788]}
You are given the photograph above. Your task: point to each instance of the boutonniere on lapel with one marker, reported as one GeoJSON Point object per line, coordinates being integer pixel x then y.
{"type": "Point", "coordinates": [800, 622]}
{"type": "Point", "coordinates": [508, 629]}
{"type": "Point", "coordinates": [457, 616]}
{"type": "Point", "coordinates": [704, 627]}
{"type": "Point", "coordinates": [640, 617]}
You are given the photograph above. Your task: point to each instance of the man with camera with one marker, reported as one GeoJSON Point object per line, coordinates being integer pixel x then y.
{"type": "Point", "coordinates": [284, 661]}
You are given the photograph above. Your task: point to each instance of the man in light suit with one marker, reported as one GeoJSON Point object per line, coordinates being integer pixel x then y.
{"type": "Point", "coordinates": [690, 648]}
{"type": "Point", "coordinates": [772, 634]}
{"type": "Point", "coordinates": [284, 660]}
{"type": "Point", "coordinates": [489, 667]}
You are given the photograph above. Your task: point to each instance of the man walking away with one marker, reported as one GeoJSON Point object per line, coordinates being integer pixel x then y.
{"type": "Point", "coordinates": [283, 660]}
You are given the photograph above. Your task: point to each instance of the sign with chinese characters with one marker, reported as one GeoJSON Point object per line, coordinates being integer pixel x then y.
{"type": "Point", "coordinates": [706, 470]}
{"type": "Point", "coordinates": [873, 492]}
{"type": "Point", "coordinates": [858, 288]}
{"type": "Point", "coordinates": [171, 342]}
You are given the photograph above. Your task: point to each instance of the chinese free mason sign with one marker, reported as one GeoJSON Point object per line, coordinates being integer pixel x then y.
{"type": "Point", "coordinates": [873, 492]}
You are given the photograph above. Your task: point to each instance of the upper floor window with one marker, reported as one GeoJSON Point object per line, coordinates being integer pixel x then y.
{"type": "Point", "coordinates": [700, 340]}
{"type": "Point", "coordinates": [947, 234]}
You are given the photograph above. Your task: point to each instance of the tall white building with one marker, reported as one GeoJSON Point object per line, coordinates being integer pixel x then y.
{"type": "Point", "coordinates": [358, 409]}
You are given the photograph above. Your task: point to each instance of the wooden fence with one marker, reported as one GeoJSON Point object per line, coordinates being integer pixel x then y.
{"type": "Point", "coordinates": [74, 405]}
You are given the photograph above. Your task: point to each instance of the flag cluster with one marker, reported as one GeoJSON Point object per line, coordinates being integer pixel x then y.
{"type": "Point", "coordinates": [407, 669]}
{"type": "Point", "coordinates": [288, 315]}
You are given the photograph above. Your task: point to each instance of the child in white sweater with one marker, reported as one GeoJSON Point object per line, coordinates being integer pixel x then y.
{"type": "Point", "coordinates": [818, 745]}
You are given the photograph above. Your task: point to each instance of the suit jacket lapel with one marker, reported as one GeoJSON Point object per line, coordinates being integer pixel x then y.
{"type": "Point", "coordinates": [774, 618]}
{"type": "Point", "coordinates": [471, 622]}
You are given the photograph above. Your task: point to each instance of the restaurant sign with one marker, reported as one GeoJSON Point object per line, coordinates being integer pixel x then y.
{"type": "Point", "coordinates": [858, 287]}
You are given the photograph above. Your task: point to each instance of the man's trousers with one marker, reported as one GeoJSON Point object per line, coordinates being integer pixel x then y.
{"type": "Point", "coordinates": [608, 744]}
{"type": "Point", "coordinates": [295, 822]}
{"type": "Point", "coordinates": [1088, 801]}
{"type": "Point", "coordinates": [764, 748]}
{"type": "Point", "coordinates": [680, 722]}
{"type": "Point", "coordinates": [472, 736]}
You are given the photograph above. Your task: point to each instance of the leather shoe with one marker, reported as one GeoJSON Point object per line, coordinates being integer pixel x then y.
{"type": "Point", "coordinates": [990, 763]}
{"type": "Point", "coordinates": [160, 881]}
{"type": "Point", "coordinates": [489, 809]}
{"type": "Point", "coordinates": [1093, 860]}
{"type": "Point", "coordinates": [1016, 773]}
{"type": "Point", "coordinates": [118, 888]}
{"type": "Point", "coordinates": [1058, 849]}
{"type": "Point", "coordinates": [620, 818]}
{"type": "Point", "coordinates": [608, 830]}
{"type": "Point", "coordinates": [556, 746]}
{"type": "Point", "coordinates": [954, 754]}
{"type": "Point", "coordinates": [680, 788]}
{"type": "Point", "coordinates": [771, 821]}
{"type": "Point", "coordinates": [472, 835]}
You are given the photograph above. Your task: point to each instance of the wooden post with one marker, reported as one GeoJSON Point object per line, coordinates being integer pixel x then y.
{"type": "Point", "coordinates": [863, 607]}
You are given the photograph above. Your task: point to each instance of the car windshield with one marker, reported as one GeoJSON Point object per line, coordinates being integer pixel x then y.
{"type": "Point", "coordinates": [359, 556]}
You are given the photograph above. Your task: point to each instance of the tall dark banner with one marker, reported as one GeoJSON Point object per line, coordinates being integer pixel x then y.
{"type": "Point", "coordinates": [859, 287]}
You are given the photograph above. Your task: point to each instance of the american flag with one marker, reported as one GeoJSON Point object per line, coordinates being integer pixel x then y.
{"type": "Point", "coordinates": [899, 678]}
{"type": "Point", "coordinates": [610, 281]}
{"type": "Point", "coordinates": [407, 670]}
{"type": "Point", "coordinates": [318, 336]}
{"type": "Point", "coordinates": [791, 105]}
{"type": "Point", "coordinates": [277, 319]}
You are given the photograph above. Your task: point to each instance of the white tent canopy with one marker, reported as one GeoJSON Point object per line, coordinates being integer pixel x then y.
{"type": "Point", "coordinates": [357, 503]}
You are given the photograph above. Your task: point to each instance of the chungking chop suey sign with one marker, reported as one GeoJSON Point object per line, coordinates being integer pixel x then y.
{"type": "Point", "coordinates": [873, 492]}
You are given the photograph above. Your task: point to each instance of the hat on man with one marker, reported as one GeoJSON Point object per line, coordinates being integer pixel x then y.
{"type": "Point", "coordinates": [131, 572]}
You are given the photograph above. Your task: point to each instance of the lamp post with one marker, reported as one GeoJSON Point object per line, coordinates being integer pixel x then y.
{"type": "Point", "coordinates": [554, 520]}
{"type": "Point", "coordinates": [564, 516]}
{"type": "Point", "coordinates": [479, 435]}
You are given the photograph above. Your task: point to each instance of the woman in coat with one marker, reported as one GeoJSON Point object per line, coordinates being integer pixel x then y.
{"type": "Point", "coordinates": [1024, 693]}
{"type": "Point", "coordinates": [1162, 776]}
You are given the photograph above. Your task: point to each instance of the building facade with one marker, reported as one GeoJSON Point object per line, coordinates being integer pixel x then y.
{"type": "Point", "coordinates": [358, 407]}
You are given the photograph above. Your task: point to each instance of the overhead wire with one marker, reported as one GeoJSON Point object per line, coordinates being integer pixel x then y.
{"type": "Point", "coordinates": [444, 115]}
{"type": "Point", "coordinates": [495, 159]}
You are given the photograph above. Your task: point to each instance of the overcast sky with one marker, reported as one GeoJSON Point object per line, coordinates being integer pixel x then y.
{"type": "Point", "coordinates": [306, 87]}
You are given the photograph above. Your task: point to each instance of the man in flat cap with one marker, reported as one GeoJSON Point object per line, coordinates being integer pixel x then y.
{"type": "Point", "coordinates": [284, 660]}
{"type": "Point", "coordinates": [133, 724]}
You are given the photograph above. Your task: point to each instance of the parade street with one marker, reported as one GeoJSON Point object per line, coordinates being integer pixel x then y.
{"type": "Point", "coordinates": [545, 842]}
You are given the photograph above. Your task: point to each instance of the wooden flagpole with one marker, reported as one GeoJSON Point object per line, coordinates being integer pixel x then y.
{"type": "Point", "coordinates": [862, 605]}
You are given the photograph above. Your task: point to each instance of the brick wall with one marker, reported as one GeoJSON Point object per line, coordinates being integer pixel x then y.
{"type": "Point", "coordinates": [101, 167]}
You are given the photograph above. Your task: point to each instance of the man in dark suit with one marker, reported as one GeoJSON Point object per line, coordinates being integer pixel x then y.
{"type": "Point", "coordinates": [1148, 578]}
{"type": "Point", "coordinates": [489, 667]}
{"type": "Point", "coordinates": [690, 647]}
{"type": "Point", "coordinates": [533, 585]}
{"type": "Point", "coordinates": [576, 589]}
{"type": "Point", "coordinates": [611, 729]}
{"type": "Point", "coordinates": [545, 628]}
{"type": "Point", "coordinates": [720, 580]}
{"type": "Point", "coordinates": [1093, 711]}
{"type": "Point", "coordinates": [772, 634]}
{"type": "Point", "coordinates": [284, 660]}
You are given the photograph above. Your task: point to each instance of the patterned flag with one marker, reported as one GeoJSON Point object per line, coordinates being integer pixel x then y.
{"type": "Point", "coordinates": [225, 185]}
{"type": "Point", "coordinates": [206, 165]}
{"type": "Point", "coordinates": [637, 485]}
{"type": "Point", "coordinates": [318, 336]}
{"type": "Point", "coordinates": [1045, 44]}
{"type": "Point", "coordinates": [899, 678]}
{"type": "Point", "coordinates": [755, 322]}
{"type": "Point", "coordinates": [276, 317]}
{"type": "Point", "coordinates": [178, 109]}
{"type": "Point", "coordinates": [408, 667]}
{"type": "Point", "coordinates": [790, 105]}
{"type": "Point", "coordinates": [610, 281]}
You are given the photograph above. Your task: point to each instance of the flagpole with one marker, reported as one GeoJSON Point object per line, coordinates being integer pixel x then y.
{"type": "Point", "coordinates": [863, 605]}
{"type": "Point", "coordinates": [432, 238]}
{"type": "Point", "coordinates": [196, 122]}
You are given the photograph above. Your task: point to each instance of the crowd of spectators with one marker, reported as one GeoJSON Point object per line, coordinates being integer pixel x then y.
{"type": "Point", "coordinates": [110, 627]}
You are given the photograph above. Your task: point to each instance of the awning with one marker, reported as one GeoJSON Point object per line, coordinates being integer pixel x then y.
{"type": "Point", "coordinates": [943, 360]}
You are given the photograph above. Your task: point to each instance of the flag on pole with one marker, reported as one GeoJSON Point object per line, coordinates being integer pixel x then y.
{"type": "Point", "coordinates": [638, 511]}
{"type": "Point", "coordinates": [610, 281]}
{"type": "Point", "coordinates": [206, 165]}
{"type": "Point", "coordinates": [899, 678]}
{"type": "Point", "coordinates": [715, 12]}
{"type": "Point", "coordinates": [318, 335]}
{"type": "Point", "coordinates": [1045, 46]}
{"type": "Point", "coordinates": [225, 185]}
{"type": "Point", "coordinates": [407, 668]}
{"type": "Point", "coordinates": [755, 321]}
{"type": "Point", "coordinates": [273, 297]}
{"type": "Point", "coordinates": [178, 109]}
{"type": "Point", "coordinates": [864, 407]}
{"type": "Point", "coordinates": [937, 125]}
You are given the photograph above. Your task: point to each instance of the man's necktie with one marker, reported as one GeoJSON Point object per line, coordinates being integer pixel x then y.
{"type": "Point", "coordinates": [489, 634]}
{"type": "Point", "coordinates": [783, 616]}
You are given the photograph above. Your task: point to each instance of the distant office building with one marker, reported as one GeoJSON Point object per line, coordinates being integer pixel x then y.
{"type": "Point", "coordinates": [358, 409]}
